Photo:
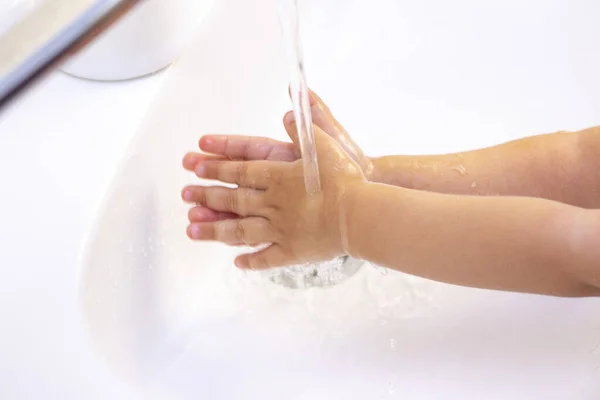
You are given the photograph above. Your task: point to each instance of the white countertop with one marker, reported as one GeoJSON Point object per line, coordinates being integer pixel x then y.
{"type": "Point", "coordinates": [59, 148]}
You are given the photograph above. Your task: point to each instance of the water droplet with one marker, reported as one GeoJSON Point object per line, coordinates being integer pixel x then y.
{"type": "Point", "coordinates": [149, 239]}
{"type": "Point", "coordinates": [461, 170]}
{"type": "Point", "coordinates": [474, 184]}
{"type": "Point", "coordinates": [391, 388]}
{"type": "Point", "coordinates": [381, 270]}
{"type": "Point", "coordinates": [150, 267]}
{"type": "Point", "coordinates": [392, 343]}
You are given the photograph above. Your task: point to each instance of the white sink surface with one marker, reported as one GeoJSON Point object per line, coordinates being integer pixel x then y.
{"type": "Point", "coordinates": [176, 319]}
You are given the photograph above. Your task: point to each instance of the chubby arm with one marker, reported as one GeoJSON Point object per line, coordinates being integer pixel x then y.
{"type": "Point", "coordinates": [501, 243]}
{"type": "Point", "coordinates": [563, 166]}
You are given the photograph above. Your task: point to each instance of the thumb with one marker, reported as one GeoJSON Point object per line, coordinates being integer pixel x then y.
{"type": "Point", "coordinates": [324, 142]}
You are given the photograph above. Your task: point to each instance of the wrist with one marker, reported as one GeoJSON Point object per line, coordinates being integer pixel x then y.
{"type": "Point", "coordinates": [384, 172]}
{"type": "Point", "coordinates": [393, 170]}
{"type": "Point", "coordinates": [368, 168]}
{"type": "Point", "coordinates": [377, 168]}
{"type": "Point", "coordinates": [370, 214]}
{"type": "Point", "coordinates": [350, 206]}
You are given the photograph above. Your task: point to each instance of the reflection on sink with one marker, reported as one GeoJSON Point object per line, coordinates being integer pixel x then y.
{"type": "Point", "coordinates": [178, 320]}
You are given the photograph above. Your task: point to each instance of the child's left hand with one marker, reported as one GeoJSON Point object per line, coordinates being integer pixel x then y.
{"type": "Point", "coordinates": [274, 208]}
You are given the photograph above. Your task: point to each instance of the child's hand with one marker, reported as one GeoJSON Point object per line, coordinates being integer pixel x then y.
{"type": "Point", "coordinates": [324, 119]}
{"type": "Point", "coordinates": [250, 148]}
{"type": "Point", "coordinates": [274, 208]}
{"type": "Point", "coordinates": [246, 148]}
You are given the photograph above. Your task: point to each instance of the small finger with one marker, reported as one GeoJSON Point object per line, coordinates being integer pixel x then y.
{"type": "Point", "coordinates": [248, 148]}
{"type": "Point", "coordinates": [251, 231]}
{"type": "Point", "coordinates": [239, 201]}
{"type": "Point", "coordinates": [271, 257]}
{"type": "Point", "coordinates": [203, 214]}
{"type": "Point", "coordinates": [251, 174]}
{"type": "Point", "coordinates": [191, 160]}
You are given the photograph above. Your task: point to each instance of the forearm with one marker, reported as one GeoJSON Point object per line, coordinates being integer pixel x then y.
{"type": "Point", "coordinates": [562, 166]}
{"type": "Point", "coordinates": [513, 244]}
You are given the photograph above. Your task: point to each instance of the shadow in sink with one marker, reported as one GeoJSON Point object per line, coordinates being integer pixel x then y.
{"type": "Point", "coordinates": [123, 305]}
{"type": "Point", "coordinates": [132, 305]}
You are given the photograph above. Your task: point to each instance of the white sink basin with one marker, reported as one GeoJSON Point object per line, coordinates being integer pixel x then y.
{"type": "Point", "coordinates": [177, 320]}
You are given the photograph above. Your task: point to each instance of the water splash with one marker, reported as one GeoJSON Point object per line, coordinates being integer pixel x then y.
{"type": "Point", "coordinates": [391, 388]}
{"type": "Point", "coordinates": [381, 270]}
{"type": "Point", "coordinates": [323, 274]}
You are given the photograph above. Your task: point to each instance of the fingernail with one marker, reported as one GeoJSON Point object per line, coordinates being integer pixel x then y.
{"type": "Point", "coordinates": [200, 170]}
{"type": "Point", "coordinates": [188, 195]}
{"type": "Point", "coordinates": [195, 231]}
{"type": "Point", "coordinates": [206, 143]}
{"type": "Point", "coordinates": [289, 118]}
{"type": "Point", "coordinates": [207, 139]}
{"type": "Point", "coordinates": [312, 98]}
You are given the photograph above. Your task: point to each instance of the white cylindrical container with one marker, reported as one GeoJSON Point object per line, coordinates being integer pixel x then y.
{"type": "Point", "coordinates": [144, 41]}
